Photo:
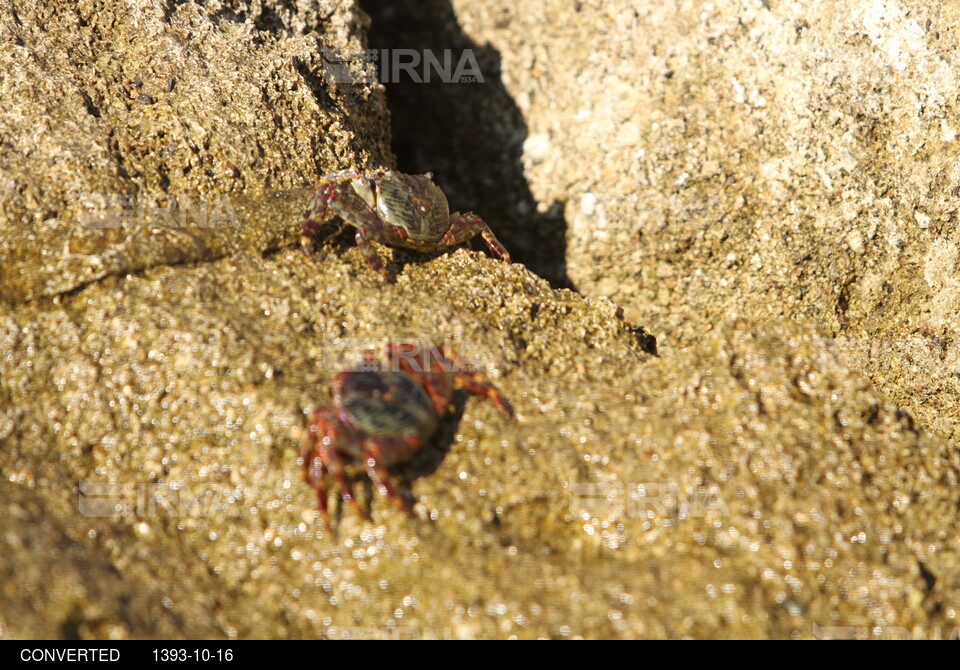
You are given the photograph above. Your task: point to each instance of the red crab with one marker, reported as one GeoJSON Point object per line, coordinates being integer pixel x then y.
{"type": "Point", "coordinates": [382, 417]}
{"type": "Point", "coordinates": [401, 210]}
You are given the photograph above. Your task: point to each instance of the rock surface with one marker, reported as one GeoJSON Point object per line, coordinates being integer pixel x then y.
{"type": "Point", "coordinates": [770, 159]}
{"type": "Point", "coordinates": [153, 134]}
{"type": "Point", "coordinates": [154, 378]}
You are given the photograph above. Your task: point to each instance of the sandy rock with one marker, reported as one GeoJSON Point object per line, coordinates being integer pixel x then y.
{"type": "Point", "coordinates": [749, 481]}
{"type": "Point", "coordinates": [137, 135]}
{"type": "Point", "coordinates": [786, 160]}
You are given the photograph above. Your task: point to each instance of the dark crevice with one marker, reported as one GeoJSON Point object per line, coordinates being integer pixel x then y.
{"type": "Point", "coordinates": [92, 108]}
{"type": "Point", "coordinates": [469, 134]}
{"type": "Point", "coordinates": [929, 579]}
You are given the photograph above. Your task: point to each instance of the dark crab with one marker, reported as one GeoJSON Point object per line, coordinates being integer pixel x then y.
{"type": "Point", "coordinates": [382, 416]}
{"type": "Point", "coordinates": [394, 208]}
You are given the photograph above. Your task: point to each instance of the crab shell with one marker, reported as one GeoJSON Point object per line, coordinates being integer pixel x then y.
{"type": "Point", "coordinates": [385, 405]}
{"type": "Point", "coordinates": [411, 202]}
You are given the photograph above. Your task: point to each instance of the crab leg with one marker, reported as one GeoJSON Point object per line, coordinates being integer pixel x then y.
{"type": "Point", "coordinates": [363, 243]}
{"type": "Point", "coordinates": [322, 454]}
{"type": "Point", "coordinates": [312, 463]}
{"type": "Point", "coordinates": [331, 200]}
{"type": "Point", "coordinates": [475, 382]}
{"type": "Point", "coordinates": [335, 466]}
{"type": "Point", "coordinates": [314, 217]}
{"type": "Point", "coordinates": [378, 474]}
{"type": "Point", "coordinates": [312, 467]}
{"type": "Point", "coordinates": [435, 367]}
{"type": "Point", "coordinates": [466, 226]}
{"type": "Point", "coordinates": [428, 366]}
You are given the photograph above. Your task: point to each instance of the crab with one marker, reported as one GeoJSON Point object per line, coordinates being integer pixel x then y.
{"type": "Point", "coordinates": [397, 209]}
{"type": "Point", "coordinates": [382, 415]}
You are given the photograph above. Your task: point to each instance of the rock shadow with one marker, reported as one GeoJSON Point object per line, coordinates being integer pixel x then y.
{"type": "Point", "coordinates": [470, 134]}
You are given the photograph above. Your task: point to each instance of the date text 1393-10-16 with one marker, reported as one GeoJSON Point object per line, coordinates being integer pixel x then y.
{"type": "Point", "coordinates": [198, 654]}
